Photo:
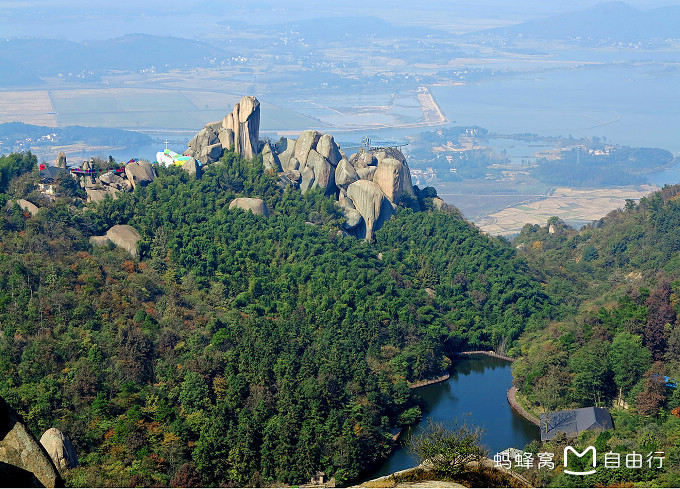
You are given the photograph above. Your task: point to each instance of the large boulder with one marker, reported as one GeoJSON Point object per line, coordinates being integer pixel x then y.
{"type": "Point", "coordinates": [26, 206]}
{"type": "Point", "coordinates": [370, 201]}
{"type": "Point", "coordinates": [324, 174]}
{"type": "Point", "coordinates": [60, 449]}
{"type": "Point", "coordinates": [23, 461]}
{"type": "Point", "coordinates": [249, 126]}
{"type": "Point", "coordinates": [206, 146]}
{"type": "Point", "coordinates": [307, 179]}
{"type": "Point", "coordinates": [345, 174]}
{"type": "Point", "coordinates": [98, 193]}
{"type": "Point", "coordinates": [140, 173]}
{"type": "Point", "coordinates": [293, 175]}
{"type": "Point", "coordinates": [391, 175]}
{"type": "Point", "coordinates": [256, 206]}
{"type": "Point", "coordinates": [113, 180]}
{"type": "Point", "coordinates": [226, 137]}
{"type": "Point", "coordinates": [352, 216]}
{"type": "Point", "coordinates": [270, 159]}
{"type": "Point", "coordinates": [192, 167]}
{"type": "Point", "coordinates": [285, 149]}
{"type": "Point", "coordinates": [327, 148]}
{"type": "Point", "coordinates": [211, 153]}
{"type": "Point", "coordinates": [126, 237]}
{"type": "Point", "coordinates": [306, 142]}
{"type": "Point", "coordinates": [61, 160]}
{"type": "Point", "coordinates": [366, 173]}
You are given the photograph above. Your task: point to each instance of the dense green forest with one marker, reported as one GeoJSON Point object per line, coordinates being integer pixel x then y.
{"type": "Point", "coordinates": [239, 349]}
{"type": "Point", "coordinates": [617, 336]}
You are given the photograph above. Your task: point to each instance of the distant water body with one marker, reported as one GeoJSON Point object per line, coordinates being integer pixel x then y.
{"type": "Point", "coordinates": [476, 393]}
{"type": "Point", "coordinates": [629, 105]}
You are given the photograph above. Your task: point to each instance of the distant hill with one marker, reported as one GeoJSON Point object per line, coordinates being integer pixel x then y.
{"type": "Point", "coordinates": [611, 20]}
{"type": "Point", "coordinates": [17, 131]}
{"type": "Point", "coordinates": [36, 57]}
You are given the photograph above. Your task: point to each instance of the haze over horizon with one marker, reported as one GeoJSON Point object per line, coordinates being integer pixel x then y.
{"type": "Point", "coordinates": [78, 20]}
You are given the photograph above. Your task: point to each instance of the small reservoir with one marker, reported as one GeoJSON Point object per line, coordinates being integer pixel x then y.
{"type": "Point", "coordinates": [476, 393]}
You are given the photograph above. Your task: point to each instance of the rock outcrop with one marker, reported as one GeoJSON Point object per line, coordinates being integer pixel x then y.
{"type": "Point", "coordinates": [97, 193]}
{"type": "Point", "coordinates": [390, 174]}
{"type": "Point", "coordinates": [270, 160]}
{"type": "Point", "coordinates": [61, 160]}
{"type": "Point", "coordinates": [256, 206]}
{"type": "Point", "coordinates": [240, 129]}
{"type": "Point", "coordinates": [27, 206]}
{"type": "Point", "coordinates": [23, 461]}
{"type": "Point", "coordinates": [368, 185]}
{"type": "Point", "coordinates": [370, 201]}
{"type": "Point", "coordinates": [345, 174]}
{"type": "Point", "coordinates": [126, 237]}
{"type": "Point", "coordinates": [140, 173]}
{"type": "Point", "coordinates": [60, 449]}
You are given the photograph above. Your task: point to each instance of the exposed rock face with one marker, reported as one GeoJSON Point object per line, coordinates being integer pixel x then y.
{"type": "Point", "coordinates": [345, 174]}
{"type": "Point", "coordinates": [249, 127]}
{"type": "Point", "coordinates": [352, 216]}
{"type": "Point", "coordinates": [60, 449]}
{"type": "Point", "coordinates": [270, 160]}
{"type": "Point", "coordinates": [324, 174]}
{"type": "Point", "coordinates": [226, 138]}
{"type": "Point", "coordinates": [23, 461]}
{"type": "Point", "coordinates": [98, 193]}
{"type": "Point", "coordinates": [239, 129]}
{"type": "Point", "coordinates": [27, 206]}
{"type": "Point", "coordinates": [293, 175]}
{"type": "Point", "coordinates": [286, 150]}
{"type": "Point", "coordinates": [113, 180]}
{"type": "Point", "coordinates": [61, 160]}
{"type": "Point", "coordinates": [327, 148]}
{"type": "Point", "coordinates": [256, 206]}
{"type": "Point", "coordinates": [192, 167]}
{"type": "Point", "coordinates": [307, 179]}
{"type": "Point", "coordinates": [206, 146]}
{"type": "Point", "coordinates": [140, 173]}
{"type": "Point", "coordinates": [306, 142]}
{"type": "Point", "coordinates": [366, 173]}
{"type": "Point", "coordinates": [440, 205]}
{"type": "Point", "coordinates": [391, 176]}
{"type": "Point", "coordinates": [371, 202]}
{"type": "Point", "coordinates": [126, 237]}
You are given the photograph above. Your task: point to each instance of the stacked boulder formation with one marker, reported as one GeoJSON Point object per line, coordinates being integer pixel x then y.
{"type": "Point", "coordinates": [367, 185]}
{"type": "Point", "coordinates": [137, 173]}
{"type": "Point", "coordinates": [23, 461]}
{"type": "Point", "coordinates": [240, 129]}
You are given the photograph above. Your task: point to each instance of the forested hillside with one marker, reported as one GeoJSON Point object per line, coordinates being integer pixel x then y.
{"type": "Point", "coordinates": [618, 336]}
{"type": "Point", "coordinates": [240, 349]}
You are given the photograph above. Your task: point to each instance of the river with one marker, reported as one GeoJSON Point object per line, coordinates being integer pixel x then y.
{"type": "Point", "coordinates": [476, 394]}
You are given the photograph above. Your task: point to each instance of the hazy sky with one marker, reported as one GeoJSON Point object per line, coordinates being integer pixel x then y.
{"type": "Point", "coordinates": [81, 20]}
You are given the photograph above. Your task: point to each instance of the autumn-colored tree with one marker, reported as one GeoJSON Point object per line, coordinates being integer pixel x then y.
{"type": "Point", "coordinates": [649, 401]}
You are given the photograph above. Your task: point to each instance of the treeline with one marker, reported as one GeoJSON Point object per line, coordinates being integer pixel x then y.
{"type": "Point", "coordinates": [240, 350]}
{"type": "Point", "coordinates": [617, 343]}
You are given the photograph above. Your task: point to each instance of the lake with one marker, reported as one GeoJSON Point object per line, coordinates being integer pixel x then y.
{"type": "Point", "coordinates": [476, 394]}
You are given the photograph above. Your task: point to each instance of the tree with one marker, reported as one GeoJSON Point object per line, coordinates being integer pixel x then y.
{"type": "Point", "coordinates": [653, 395]}
{"type": "Point", "coordinates": [448, 447]}
{"type": "Point", "coordinates": [629, 360]}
